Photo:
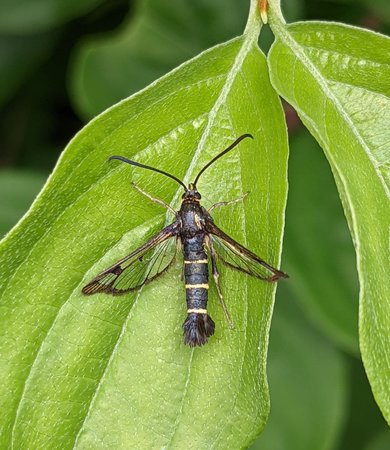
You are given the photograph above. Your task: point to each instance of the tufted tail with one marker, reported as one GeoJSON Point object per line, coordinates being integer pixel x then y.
{"type": "Point", "coordinates": [197, 328]}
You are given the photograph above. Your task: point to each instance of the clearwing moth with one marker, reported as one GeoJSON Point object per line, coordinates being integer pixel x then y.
{"type": "Point", "coordinates": [201, 241]}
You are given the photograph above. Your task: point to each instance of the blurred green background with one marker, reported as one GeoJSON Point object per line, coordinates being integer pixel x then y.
{"type": "Point", "coordinates": [61, 63]}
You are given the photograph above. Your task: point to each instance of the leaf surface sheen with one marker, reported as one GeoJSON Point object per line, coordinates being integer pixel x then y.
{"type": "Point", "coordinates": [112, 372]}
{"type": "Point", "coordinates": [336, 77]}
{"type": "Point", "coordinates": [330, 294]}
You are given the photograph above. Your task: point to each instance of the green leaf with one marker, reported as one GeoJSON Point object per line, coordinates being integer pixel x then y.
{"type": "Point", "coordinates": [308, 393]}
{"type": "Point", "coordinates": [322, 270]}
{"type": "Point", "coordinates": [19, 57]}
{"type": "Point", "coordinates": [17, 191]}
{"type": "Point", "coordinates": [109, 372]}
{"type": "Point", "coordinates": [25, 16]}
{"type": "Point", "coordinates": [380, 442]}
{"type": "Point", "coordinates": [364, 417]}
{"type": "Point", "coordinates": [158, 36]}
{"type": "Point", "coordinates": [337, 78]}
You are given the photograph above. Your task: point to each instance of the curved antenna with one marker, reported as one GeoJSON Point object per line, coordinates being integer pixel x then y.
{"type": "Point", "coordinates": [231, 146]}
{"type": "Point", "coordinates": [137, 164]}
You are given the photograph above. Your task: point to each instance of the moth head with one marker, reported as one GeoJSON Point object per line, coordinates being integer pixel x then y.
{"type": "Point", "coordinates": [191, 194]}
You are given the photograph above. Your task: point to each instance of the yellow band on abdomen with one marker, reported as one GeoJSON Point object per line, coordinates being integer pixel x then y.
{"type": "Point", "coordinates": [197, 311]}
{"type": "Point", "coordinates": [199, 261]}
{"type": "Point", "coordinates": [197, 286]}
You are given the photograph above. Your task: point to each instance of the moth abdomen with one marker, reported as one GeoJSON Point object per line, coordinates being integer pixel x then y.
{"type": "Point", "coordinates": [198, 326]}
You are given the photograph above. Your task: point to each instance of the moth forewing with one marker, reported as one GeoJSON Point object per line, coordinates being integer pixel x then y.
{"type": "Point", "coordinates": [143, 265]}
{"type": "Point", "coordinates": [236, 256]}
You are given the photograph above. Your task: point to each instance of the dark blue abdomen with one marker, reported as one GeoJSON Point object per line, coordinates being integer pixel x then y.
{"type": "Point", "coordinates": [196, 273]}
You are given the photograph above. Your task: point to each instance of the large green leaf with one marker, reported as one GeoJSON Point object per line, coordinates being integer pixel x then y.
{"type": "Point", "coordinates": [318, 253]}
{"type": "Point", "coordinates": [337, 77]}
{"type": "Point", "coordinates": [380, 442]}
{"type": "Point", "coordinates": [365, 419]}
{"type": "Point", "coordinates": [309, 394]}
{"type": "Point", "coordinates": [109, 372]}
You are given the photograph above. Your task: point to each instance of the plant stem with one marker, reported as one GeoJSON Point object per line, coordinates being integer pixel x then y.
{"type": "Point", "coordinates": [275, 14]}
{"type": "Point", "coordinates": [254, 23]}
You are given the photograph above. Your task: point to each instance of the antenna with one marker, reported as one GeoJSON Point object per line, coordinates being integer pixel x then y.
{"type": "Point", "coordinates": [231, 146]}
{"type": "Point", "coordinates": [137, 164]}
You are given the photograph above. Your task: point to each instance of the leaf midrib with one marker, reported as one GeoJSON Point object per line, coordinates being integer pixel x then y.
{"type": "Point", "coordinates": [230, 78]}
{"type": "Point", "coordinates": [247, 46]}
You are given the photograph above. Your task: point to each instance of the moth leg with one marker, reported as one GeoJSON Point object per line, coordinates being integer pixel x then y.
{"type": "Point", "coordinates": [230, 202]}
{"type": "Point", "coordinates": [153, 199]}
{"type": "Point", "coordinates": [215, 273]}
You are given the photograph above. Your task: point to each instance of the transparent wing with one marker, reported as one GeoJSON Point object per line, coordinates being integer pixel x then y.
{"type": "Point", "coordinates": [140, 267]}
{"type": "Point", "coordinates": [240, 258]}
